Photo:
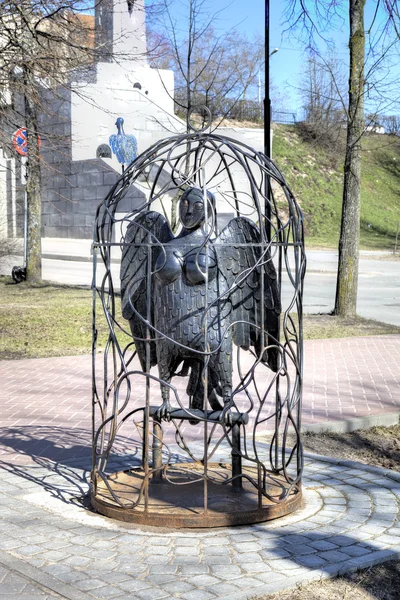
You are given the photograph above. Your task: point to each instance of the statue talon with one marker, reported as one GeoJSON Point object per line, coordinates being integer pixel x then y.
{"type": "Point", "coordinates": [226, 415]}
{"type": "Point", "coordinates": [164, 411]}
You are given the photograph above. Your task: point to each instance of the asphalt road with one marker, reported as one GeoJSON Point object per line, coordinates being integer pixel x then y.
{"type": "Point", "coordinates": [378, 291]}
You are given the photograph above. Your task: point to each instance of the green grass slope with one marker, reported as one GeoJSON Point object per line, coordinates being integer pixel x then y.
{"type": "Point", "coordinates": [315, 176]}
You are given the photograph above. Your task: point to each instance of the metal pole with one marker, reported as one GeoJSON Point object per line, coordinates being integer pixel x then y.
{"type": "Point", "coordinates": [267, 99]}
{"type": "Point", "coordinates": [236, 457]}
{"type": "Point", "coordinates": [25, 228]}
{"type": "Point", "coordinates": [24, 178]}
{"type": "Point", "coordinates": [267, 126]}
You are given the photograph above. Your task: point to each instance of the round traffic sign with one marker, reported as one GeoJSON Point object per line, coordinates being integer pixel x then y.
{"type": "Point", "coordinates": [20, 141]}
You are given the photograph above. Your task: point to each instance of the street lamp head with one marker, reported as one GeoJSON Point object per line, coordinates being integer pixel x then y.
{"type": "Point", "coordinates": [274, 51]}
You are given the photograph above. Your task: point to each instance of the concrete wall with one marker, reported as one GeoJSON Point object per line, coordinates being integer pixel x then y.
{"type": "Point", "coordinates": [148, 112]}
{"type": "Point", "coordinates": [72, 189]}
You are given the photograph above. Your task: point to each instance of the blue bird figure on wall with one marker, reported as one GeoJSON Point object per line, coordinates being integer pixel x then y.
{"type": "Point", "coordinates": [124, 146]}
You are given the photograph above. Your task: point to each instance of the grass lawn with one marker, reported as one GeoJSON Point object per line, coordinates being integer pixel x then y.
{"type": "Point", "coordinates": [53, 320]}
{"type": "Point", "coordinates": [315, 176]}
{"type": "Point", "coordinates": [46, 320]}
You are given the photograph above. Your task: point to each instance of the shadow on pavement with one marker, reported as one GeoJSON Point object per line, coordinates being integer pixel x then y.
{"type": "Point", "coordinates": [56, 459]}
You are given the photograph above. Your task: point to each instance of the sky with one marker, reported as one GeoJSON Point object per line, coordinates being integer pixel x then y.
{"type": "Point", "coordinates": [286, 65]}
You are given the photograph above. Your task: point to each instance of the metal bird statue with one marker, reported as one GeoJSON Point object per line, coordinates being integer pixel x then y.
{"type": "Point", "coordinates": [204, 293]}
{"type": "Point", "coordinates": [124, 146]}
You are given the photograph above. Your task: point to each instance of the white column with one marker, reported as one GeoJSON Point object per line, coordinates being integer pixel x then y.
{"type": "Point", "coordinates": [129, 30]}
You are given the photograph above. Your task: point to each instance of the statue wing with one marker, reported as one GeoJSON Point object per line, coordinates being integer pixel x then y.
{"type": "Point", "coordinates": [242, 261]}
{"type": "Point", "coordinates": [150, 227]}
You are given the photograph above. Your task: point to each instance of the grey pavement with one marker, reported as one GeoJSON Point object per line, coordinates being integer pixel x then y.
{"type": "Point", "coordinates": [51, 545]}
{"type": "Point", "coordinates": [54, 546]}
{"type": "Point", "coordinates": [69, 262]}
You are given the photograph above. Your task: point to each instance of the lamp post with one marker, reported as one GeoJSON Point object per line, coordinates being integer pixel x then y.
{"type": "Point", "coordinates": [267, 117]}
{"type": "Point", "coordinates": [267, 99]}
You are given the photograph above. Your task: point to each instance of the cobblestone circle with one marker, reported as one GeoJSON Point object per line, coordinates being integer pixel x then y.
{"type": "Point", "coordinates": [52, 546]}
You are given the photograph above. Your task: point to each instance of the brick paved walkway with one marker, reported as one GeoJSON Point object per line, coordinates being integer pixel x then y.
{"type": "Point", "coordinates": [46, 403]}
{"type": "Point", "coordinates": [51, 547]}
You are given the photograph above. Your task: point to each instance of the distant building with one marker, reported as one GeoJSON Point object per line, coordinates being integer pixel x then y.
{"type": "Point", "coordinates": [77, 171]}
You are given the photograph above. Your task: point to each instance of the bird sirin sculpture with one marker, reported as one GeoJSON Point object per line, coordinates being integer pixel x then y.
{"type": "Point", "coordinates": [200, 294]}
{"type": "Point", "coordinates": [123, 145]}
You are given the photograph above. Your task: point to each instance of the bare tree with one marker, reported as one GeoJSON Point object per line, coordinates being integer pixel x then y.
{"type": "Point", "coordinates": [391, 124]}
{"type": "Point", "coordinates": [211, 68]}
{"type": "Point", "coordinates": [370, 53]}
{"type": "Point", "coordinates": [41, 41]}
{"type": "Point", "coordinates": [324, 102]}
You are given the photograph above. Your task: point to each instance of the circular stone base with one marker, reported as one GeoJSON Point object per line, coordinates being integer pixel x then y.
{"type": "Point", "coordinates": [172, 505]}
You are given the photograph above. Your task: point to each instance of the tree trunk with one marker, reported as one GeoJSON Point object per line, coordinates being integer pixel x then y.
{"type": "Point", "coordinates": [34, 206]}
{"type": "Point", "coordinates": [347, 279]}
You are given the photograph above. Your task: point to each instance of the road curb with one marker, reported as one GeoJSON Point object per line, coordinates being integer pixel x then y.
{"type": "Point", "coordinates": [349, 425]}
{"type": "Point", "coordinates": [27, 571]}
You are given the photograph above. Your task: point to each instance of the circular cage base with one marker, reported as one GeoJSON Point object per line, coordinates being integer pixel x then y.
{"type": "Point", "coordinates": [172, 505]}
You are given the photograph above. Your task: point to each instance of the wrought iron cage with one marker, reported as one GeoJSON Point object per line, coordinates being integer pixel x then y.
{"type": "Point", "coordinates": [232, 457]}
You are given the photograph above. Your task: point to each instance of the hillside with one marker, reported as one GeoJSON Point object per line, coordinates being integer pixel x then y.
{"type": "Point", "coordinates": [315, 176]}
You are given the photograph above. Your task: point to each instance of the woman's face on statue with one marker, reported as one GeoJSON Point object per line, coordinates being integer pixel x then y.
{"type": "Point", "coordinates": [191, 210]}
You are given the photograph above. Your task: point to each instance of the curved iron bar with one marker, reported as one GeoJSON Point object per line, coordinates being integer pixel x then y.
{"type": "Point", "coordinates": [188, 160]}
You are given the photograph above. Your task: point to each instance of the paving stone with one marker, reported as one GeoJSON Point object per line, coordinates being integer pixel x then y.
{"type": "Point", "coordinates": [198, 595]}
{"type": "Point", "coordinates": [357, 550]}
{"type": "Point", "coordinates": [64, 573]}
{"type": "Point", "coordinates": [29, 550]}
{"type": "Point", "coordinates": [341, 540]}
{"type": "Point", "coordinates": [133, 585]}
{"type": "Point", "coordinates": [189, 541]}
{"type": "Point", "coordinates": [247, 547]}
{"type": "Point", "coordinates": [54, 555]}
{"type": "Point", "coordinates": [151, 594]}
{"type": "Point", "coordinates": [334, 556]}
{"type": "Point", "coordinates": [89, 584]}
{"type": "Point", "coordinates": [226, 570]}
{"type": "Point", "coordinates": [248, 583]}
{"type": "Point", "coordinates": [116, 577]}
{"type": "Point", "coordinates": [272, 576]}
{"type": "Point", "coordinates": [158, 559]}
{"type": "Point", "coordinates": [187, 551]}
{"type": "Point", "coordinates": [196, 569]}
{"type": "Point", "coordinates": [224, 590]}
{"type": "Point", "coordinates": [107, 591]}
{"type": "Point", "coordinates": [275, 553]}
{"type": "Point", "coordinates": [216, 559]}
{"type": "Point", "coordinates": [323, 545]}
{"type": "Point", "coordinates": [243, 537]}
{"type": "Point", "coordinates": [178, 587]}
{"type": "Point", "coordinates": [218, 541]}
{"type": "Point", "coordinates": [255, 567]}
{"type": "Point", "coordinates": [216, 550]}
{"type": "Point", "coordinates": [76, 561]}
{"type": "Point", "coordinates": [163, 568]}
{"type": "Point", "coordinates": [390, 540]}
{"type": "Point", "coordinates": [311, 560]}
{"type": "Point", "coordinates": [204, 580]}
{"type": "Point", "coordinates": [248, 557]}
{"type": "Point", "coordinates": [13, 584]}
{"type": "Point", "coordinates": [153, 550]}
